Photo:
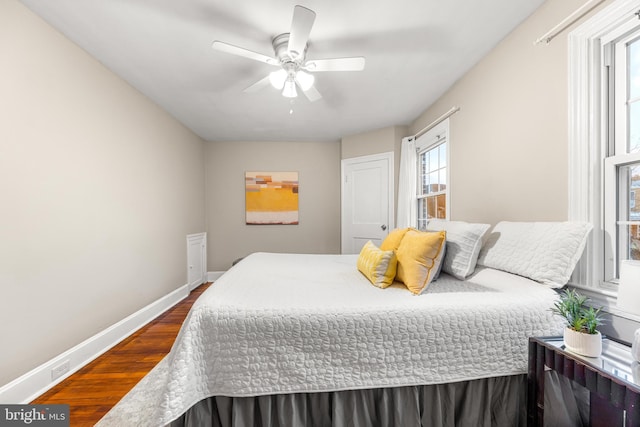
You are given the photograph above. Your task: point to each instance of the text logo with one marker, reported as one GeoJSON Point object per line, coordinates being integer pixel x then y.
{"type": "Point", "coordinates": [34, 415]}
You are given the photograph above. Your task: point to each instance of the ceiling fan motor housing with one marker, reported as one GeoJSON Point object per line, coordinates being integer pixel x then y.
{"type": "Point", "coordinates": [281, 48]}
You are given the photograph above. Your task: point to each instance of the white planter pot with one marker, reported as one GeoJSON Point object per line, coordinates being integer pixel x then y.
{"type": "Point", "coordinates": [589, 345]}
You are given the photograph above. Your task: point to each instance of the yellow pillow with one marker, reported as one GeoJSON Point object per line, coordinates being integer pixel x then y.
{"type": "Point", "coordinates": [377, 265]}
{"type": "Point", "coordinates": [393, 239]}
{"type": "Point", "coordinates": [419, 255]}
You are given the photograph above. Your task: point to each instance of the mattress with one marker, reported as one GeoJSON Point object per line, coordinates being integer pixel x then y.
{"type": "Point", "coordinates": [289, 323]}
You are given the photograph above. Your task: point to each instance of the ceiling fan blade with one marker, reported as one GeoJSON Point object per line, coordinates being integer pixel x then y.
{"type": "Point", "coordinates": [260, 84]}
{"type": "Point", "coordinates": [312, 94]}
{"type": "Point", "coordinates": [355, 63]}
{"type": "Point", "coordinates": [239, 51]}
{"type": "Point", "coordinates": [300, 29]}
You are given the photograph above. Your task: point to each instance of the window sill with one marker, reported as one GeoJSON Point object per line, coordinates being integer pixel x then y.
{"type": "Point", "coordinates": [607, 300]}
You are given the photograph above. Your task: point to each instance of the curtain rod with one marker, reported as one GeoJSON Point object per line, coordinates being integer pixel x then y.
{"type": "Point", "coordinates": [566, 22]}
{"type": "Point", "coordinates": [436, 122]}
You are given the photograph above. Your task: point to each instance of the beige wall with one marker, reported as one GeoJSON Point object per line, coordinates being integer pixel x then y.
{"type": "Point", "coordinates": [318, 166]}
{"type": "Point", "coordinates": [99, 188]}
{"type": "Point", "coordinates": [372, 142]}
{"type": "Point", "coordinates": [509, 139]}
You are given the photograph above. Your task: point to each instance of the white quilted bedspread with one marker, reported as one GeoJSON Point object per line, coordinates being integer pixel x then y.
{"type": "Point", "coordinates": [283, 323]}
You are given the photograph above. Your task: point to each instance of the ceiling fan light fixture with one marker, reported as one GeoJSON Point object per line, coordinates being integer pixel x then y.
{"type": "Point", "coordinates": [277, 78]}
{"type": "Point", "coordinates": [289, 90]}
{"type": "Point", "coordinates": [305, 80]}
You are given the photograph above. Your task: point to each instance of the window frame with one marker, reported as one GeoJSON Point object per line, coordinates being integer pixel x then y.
{"type": "Point", "coordinates": [616, 192]}
{"type": "Point", "coordinates": [432, 139]}
{"type": "Point", "coordinates": [591, 167]}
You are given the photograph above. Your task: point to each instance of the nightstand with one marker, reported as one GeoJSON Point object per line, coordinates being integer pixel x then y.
{"type": "Point", "coordinates": [614, 389]}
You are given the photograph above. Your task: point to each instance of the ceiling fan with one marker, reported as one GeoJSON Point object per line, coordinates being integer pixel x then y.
{"type": "Point", "coordinates": [291, 56]}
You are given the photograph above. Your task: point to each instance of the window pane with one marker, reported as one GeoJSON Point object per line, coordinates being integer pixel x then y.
{"type": "Point", "coordinates": [631, 235]}
{"type": "Point", "coordinates": [441, 202]}
{"type": "Point", "coordinates": [433, 160]}
{"type": "Point", "coordinates": [433, 181]}
{"type": "Point", "coordinates": [425, 184]}
{"type": "Point", "coordinates": [634, 127]}
{"type": "Point", "coordinates": [443, 179]}
{"type": "Point", "coordinates": [421, 173]}
{"type": "Point", "coordinates": [422, 214]}
{"type": "Point", "coordinates": [443, 155]}
{"type": "Point", "coordinates": [634, 69]}
{"type": "Point", "coordinates": [629, 211]}
{"type": "Point", "coordinates": [431, 207]}
{"type": "Point", "coordinates": [630, 181]}
{"type": "Point", "coordinates": [425, 162]}
{"type": "Point", "coordinates": [632, 244]}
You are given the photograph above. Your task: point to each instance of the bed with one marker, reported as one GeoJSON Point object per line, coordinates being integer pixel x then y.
{"type": "Point", "coordinates": [299, 339]}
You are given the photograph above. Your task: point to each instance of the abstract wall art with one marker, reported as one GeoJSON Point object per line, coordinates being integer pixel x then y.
{"type": "Point", "coordinates": [271, 197]}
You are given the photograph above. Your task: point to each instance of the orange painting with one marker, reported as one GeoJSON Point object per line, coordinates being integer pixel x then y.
{"type": "Point", "coordinates": [271, 197]}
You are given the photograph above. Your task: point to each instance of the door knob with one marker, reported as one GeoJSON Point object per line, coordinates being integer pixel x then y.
{"type": "Point", "coordinates": [384, 227]}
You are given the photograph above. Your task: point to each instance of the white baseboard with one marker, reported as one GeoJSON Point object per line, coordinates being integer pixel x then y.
{"type": "Point", "coordinates": [212, 276]}
{"type": "Point", "coordinates": [35, 382]}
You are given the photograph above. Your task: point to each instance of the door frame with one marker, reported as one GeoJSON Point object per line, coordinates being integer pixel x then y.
{"type": "Point", "coordinates": [389, 157]}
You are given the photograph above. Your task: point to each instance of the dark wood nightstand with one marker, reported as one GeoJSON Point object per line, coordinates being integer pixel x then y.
{"type": "Point", "coordinates": [614, 389]}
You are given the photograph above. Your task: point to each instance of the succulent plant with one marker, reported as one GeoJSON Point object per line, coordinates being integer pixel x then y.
{"type": "Point", "coordinates": [578, 315]}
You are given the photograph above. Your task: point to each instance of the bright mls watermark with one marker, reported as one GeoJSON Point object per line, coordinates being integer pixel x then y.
{"type": "Point", "coordinates": [34, 415]}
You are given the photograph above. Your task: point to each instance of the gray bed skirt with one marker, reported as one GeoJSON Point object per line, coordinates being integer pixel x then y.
{"type": "Point", "coordinates": [498, 401]}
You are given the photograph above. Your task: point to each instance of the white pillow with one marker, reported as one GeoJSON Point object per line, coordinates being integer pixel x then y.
{"type": "Point", "coordinates": [543, 251]}
{"type": "Point", "coordinates": [464, 241]}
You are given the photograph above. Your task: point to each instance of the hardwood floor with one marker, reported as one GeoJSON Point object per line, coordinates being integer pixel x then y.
{"type": "Point", "coordinates": [96, 388]}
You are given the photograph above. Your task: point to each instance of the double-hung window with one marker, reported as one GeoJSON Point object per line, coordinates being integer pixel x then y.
{"type": "Point", "coordinates": [622, 161]}
{"type": "Point", "coordinates": [432, 187]}
{"type": "Point", "coordinates": [604, 141]}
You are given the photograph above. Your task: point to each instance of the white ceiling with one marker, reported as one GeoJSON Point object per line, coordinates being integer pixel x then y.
{"type": "Point", "coordinates": [415, 50]}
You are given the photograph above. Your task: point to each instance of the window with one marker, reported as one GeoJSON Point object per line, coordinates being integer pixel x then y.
{"type": "Point", "coordinates": [621, 62]}
{"type": "Point", "coordinates": [432, 188]}
{"type": "Point", "coordinates": [604, 138]}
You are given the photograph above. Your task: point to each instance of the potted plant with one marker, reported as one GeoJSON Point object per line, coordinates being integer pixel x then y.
{"type": "Point", "coordinates": [581, 335]}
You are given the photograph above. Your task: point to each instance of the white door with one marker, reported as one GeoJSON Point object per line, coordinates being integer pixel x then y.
{"type": "Point", "coordinates": [196, 259]}
{"type": "Point", "coordinates": [367, 200]}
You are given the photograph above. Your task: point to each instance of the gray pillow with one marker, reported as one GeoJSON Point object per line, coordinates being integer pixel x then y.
{"type": "Point", "coordinates": [464, 241]}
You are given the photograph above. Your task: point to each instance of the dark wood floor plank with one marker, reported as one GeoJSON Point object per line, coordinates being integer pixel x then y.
{"type": "Point", "coordinates": [96, 388]}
